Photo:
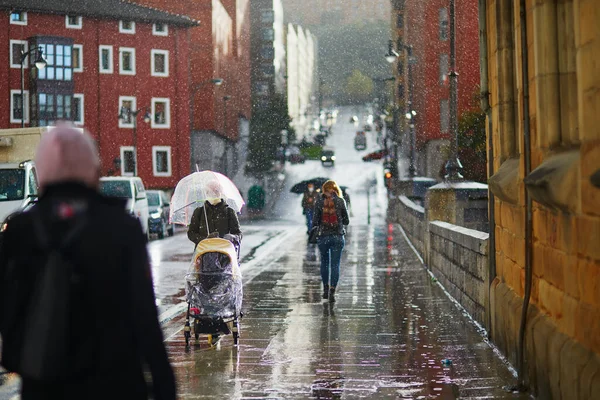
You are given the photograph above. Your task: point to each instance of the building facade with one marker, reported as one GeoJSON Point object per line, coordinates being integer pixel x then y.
{"type": "Point", "coordinates": [219, 49]}
{"type": "Point", "coordinates": [422, 39]}
{"type": "Point", "coordinates": [268, 51]}
{"type": "Point", "coordinates": [117, 69]}
{"type": "Point", "coordinates": [542, 87]}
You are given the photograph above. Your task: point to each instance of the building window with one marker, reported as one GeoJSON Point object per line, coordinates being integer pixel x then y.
{"type": "Point", "coordinates": [268, 34]}
{"type": "Point", "coordinates": [127, 161]}
{"type": "Point", "coordinates": [268, 70]}
{"type": "Point", "coordinates": [159, 62]}
{"type": "Point", "coordinates": [126, 61]}
{"type": "Point", "coordinates": [127, 27]}
{"type": "Point", "coordinates": [78, 109]}
{"type": "Point", "coordinates": [401, 90]}
{"type": "Point", "coordinates": [127, 105]}
{"type": "Point", "coordinates": [160, 29]}
{"type": "Point", "coordinates": [443, 24]}
{"type": "Point", "coordinates": [400, 21]}
{"type": "Point", "coordinates": [444, 116]}
{"type": "Point", "coordinates": [262, 88]}
{"type": "Point", "coordinates": [59, 62]}
{"type": "Point", "coordinates": [161, 110]}
{"type": "Point", "coordinates": [18, 18]}
{"type": "Point", "coordinates": [267, 52]}
{"type": "Point", "coordinates": [400, 68]}
{"type": "Point", "coordinates": [16, 106]}
{"type": "Point", "coordinates": [267, 16]}
{"type": "Point", "coordinates": [17, 47]}
{"type": "Point", "coordinates": [53, 107]}
{"type": "Point", "coordinates": [77, 58]}
{"type": "Point", "coordinates": [161, 160]}
{"type": "Point", "coordinates": [443, 68]}
{"type": "Point", "coordinates": [106, 59]}
{"type": "Point", "coordinates": [73, 22]}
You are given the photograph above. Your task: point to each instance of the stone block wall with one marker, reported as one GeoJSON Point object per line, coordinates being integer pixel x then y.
{"type": "Point", "coordinates": [458, 259]}
{"type": "Point", "coordinates": [412, 218]}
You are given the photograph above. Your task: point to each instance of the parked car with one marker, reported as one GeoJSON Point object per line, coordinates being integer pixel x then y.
{"type": "Point", "coordinates": [327, 157]}
{"type": "Point", "coordinates": [159, 207]}
{"type": "Point", "coordinates": [360, 141]}
{"type": "Point", "coordinates": [18, 186]}
{"type": "Point", "coordinates": [367, 127]}
{"type": "Point", "coordinates": [130, 188]}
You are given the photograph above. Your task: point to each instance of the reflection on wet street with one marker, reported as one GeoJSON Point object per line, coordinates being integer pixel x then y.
{"type": "Point", "coordinates": [385, 337]}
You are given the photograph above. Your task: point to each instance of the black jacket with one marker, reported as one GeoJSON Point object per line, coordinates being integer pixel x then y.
{"type": "Point", "coordinates": [221, 218]}
{"type": "Point", "coordinates": [308, 200]}
{"type": "Point", "coordinates": [340, 210]}
{"type": "Point", "coordinates": [114, 324]}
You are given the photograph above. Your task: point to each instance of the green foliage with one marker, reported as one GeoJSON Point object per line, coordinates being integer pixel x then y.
{"type": "Point", "coordinates": [472, 145]}
{"type": "Point", "coordinates": [311, 152]}
{"type": "Point", "coordinates": [346, 48]}
{"type": "Point", "coordinates": [359, 88]}
{"type": "Point", "coordinates": [265, 135]}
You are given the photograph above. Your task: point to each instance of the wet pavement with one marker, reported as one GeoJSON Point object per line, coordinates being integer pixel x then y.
{"type": "Point", "coordinates": [385, 337]}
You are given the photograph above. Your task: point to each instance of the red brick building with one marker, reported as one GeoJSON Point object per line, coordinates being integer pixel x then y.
{"type": "Point", "coordinates": [106, 61]}
{"type": "Point", "coordinates": [220, 49]}
{"type": "Point", "coordinates": [424, 25]}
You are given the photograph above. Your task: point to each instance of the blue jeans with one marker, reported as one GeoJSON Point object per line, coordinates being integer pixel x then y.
{"type": "Point", "coordinates": [309, 216]}
{"type": "Point", "coordinates": [331, 247]}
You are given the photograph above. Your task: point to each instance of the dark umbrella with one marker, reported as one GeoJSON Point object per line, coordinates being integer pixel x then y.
{"type": "Point", "coordinates": [376, 155]}
{"type": "Point", "coordinates": [302, 187]}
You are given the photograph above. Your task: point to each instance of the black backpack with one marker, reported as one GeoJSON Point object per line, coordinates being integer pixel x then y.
{"type": "Point", "coordinates": [44, 353]}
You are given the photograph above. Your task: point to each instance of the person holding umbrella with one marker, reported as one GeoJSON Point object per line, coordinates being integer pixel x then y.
{"type": "Point", "coordinates": [331, 218]}
{"type": "Point", "coordinates": [214, 218]}
{"type": "Point", "coordinates": [308, 203]}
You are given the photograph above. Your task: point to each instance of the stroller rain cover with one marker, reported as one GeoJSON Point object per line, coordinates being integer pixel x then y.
{"type": "Point", "coordinates": [214, 280]}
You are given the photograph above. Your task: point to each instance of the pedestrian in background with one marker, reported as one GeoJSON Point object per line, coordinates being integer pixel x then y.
{"type": "Point", "coordinates": [331, 216]}
{"type": "Point", "coordinates": [111, 330]}
{"type": "Point", "coordinates": [308, 204]}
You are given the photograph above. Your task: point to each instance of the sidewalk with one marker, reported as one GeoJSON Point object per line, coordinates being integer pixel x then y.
{"type": "Point", "coordinates": [385, 337]}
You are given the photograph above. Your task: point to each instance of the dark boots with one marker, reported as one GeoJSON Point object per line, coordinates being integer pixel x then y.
{"type": "Point", "coordinates": [332, 295]}
{"type": "Point", "coordinates": [326, 291]}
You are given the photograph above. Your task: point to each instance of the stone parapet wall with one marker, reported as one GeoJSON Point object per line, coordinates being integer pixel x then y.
{"type": "Point", "coordinates": [412, 218]}
{"type": "Point", "coordinates": [458, 259]}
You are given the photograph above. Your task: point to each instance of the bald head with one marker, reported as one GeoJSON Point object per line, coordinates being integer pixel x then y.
{"type": "Point", "coordinates": [66, 154]}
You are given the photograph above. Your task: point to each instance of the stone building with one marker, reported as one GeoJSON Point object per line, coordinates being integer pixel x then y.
{"type": "Point", "coordinates": [541, 75]}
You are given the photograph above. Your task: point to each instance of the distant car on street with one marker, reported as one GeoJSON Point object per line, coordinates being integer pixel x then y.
{"type": "Point", "coordinates": [294, 155]}
{"type": "Point", "coordinates": [327, 157]}
{"type": "Point", "coordinates": [367, 127]}
{"type": "Point", "coordinates": [158, 209]}
{"type": "Point", "coordinates": [360, 141]}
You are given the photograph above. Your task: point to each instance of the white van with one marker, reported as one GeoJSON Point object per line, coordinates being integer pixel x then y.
{"type": "Point", "coordinates": [132, 189]}
{"type": "Point", "coordinates": [18, 187]}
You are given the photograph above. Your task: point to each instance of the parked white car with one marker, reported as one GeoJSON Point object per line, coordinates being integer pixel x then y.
{"type": "Point", "coordinates": [18, 187]}
{"type": "Point", "coordinates": [132, 189]}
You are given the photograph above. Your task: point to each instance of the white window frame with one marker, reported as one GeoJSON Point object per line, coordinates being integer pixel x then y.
{"type": "Point", "coordinates": [24, 22]}
{"type": "Point", "coordinates": [25, 106]}
{"type": "Point", "coordinates": [17, 63]}
{"type": "Point", "coordinates": [111, 69]}
{"type": "Point", "coordinates": [122, 151]}
{"type": "Point", "coordinates": [126, 50]}
{"type": "Point", "coordinates": [79, 25]}
{"type": "Point", "coordinates": [133, 100]}
{"type": "Point", "coordinates": [167, 101]}
{"type": "Point", "coordinates": [81, 98]}
{"type": "Point", "coordinates": [155, 150]}
{"type": "Point", "coordinates": [154, 52]}
{"type": "Point", "coordinates": [80, 47]}
{"type": "Point", "coordinates": [159, 33]}
{"type": "Point", "coordinates": [129, 31]}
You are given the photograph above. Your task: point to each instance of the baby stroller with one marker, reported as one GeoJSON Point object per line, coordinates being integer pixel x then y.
{"type": "Point", "coordinates": [214, 292]}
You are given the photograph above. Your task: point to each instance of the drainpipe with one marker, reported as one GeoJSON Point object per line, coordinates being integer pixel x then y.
{"type": "Point", "coordinates": [528, 202]}
{"type": "Point", "coordinates": [485, 106]}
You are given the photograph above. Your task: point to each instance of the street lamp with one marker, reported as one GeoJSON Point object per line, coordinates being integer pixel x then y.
{"type": "Point", "coordinates": [127, 114]}
{"type": "Point", "coordinates": [391, 55]}
{"type": "Point", "coordinates": [195, 88]}
{"type": "Point", "coordinates": [453, 165]}
{"type": "Point", "coordinates": [410, 118]}
{"type": "Point", "coordinates": [40, 63]}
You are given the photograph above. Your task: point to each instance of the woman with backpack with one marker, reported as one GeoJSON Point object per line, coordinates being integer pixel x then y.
{"type": "Point", "coordinates": [331, 218]}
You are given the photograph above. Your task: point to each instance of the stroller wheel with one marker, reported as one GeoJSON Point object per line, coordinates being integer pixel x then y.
{"type": "Point", "coordinates": [236, 332]}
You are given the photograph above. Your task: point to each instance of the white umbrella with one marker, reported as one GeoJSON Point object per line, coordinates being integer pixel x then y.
{"type": "Point", "coordinates": [192, 191]}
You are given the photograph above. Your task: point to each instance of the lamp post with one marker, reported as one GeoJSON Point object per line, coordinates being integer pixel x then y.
{"type": "Point", "coordinates": [40, 63]}
{"type": "Point", "coordinates": [453, 165]}
{"type": "Point", "coordinates": [410, 118]}
{"type": "Point", "coordinates": [225, 100]}
{"type": "Point", "coordinates": [126, 114]}
{"type": "Point", "coordinates": [195, 88]}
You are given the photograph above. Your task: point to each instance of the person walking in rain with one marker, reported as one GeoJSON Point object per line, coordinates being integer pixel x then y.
{"type": "Point", "coordinates": [221, 219]}
{"type": "Point", "coordinates": [308, 204]}
{"type": "Point", "coordinates": [111, 329]}
{"type": "Point", "coordinates": [331, 216]}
